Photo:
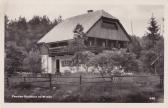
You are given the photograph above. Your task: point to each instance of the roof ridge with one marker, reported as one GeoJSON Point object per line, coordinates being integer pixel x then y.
{"type": "Point", "coordinates": [83, 14]}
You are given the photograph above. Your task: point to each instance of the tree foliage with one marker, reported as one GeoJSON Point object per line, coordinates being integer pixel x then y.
{"type": "Point", "coordinates": [82, 58]}
{"type": "Point", "coordinates": [77, 43]}
{"type": "Point", "coordinates": [32, 61]}
{"type": "Point", "coordinates": [107, 61]}
{"type": "Point", "coordinates": [13, 58]}
{"type": "Point", "coordinates": [149, 48]}
{"type": "Point", "coordinates": [21, 36]}
{"type": "Point", "coordinates": [77, 46]}
{"type": "Point", "coordinates": [21, 50]}
{"type": "Point", "coordinates": [153, 47]}
{"type": "Point", "coordinates": [153, 31]}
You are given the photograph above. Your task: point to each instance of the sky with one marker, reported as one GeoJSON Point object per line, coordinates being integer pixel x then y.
{"type": "Point", "coordinates": [138, 14]}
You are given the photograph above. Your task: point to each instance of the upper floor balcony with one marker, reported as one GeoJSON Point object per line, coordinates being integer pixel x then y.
{"type": "Point", "coordinates": [94, 45]}
{"type": "Point", "coordinates": [65, 50]}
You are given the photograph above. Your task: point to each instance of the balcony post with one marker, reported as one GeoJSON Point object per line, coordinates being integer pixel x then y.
{"type": "Point", "coordinates": [106, 44]}
{"type": "Point", "coordinates": [116, 44]}
{"type": "Point", "coordinates": [95, 42]}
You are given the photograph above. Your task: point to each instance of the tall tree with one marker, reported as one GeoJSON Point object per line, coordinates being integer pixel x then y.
{"type": "Point", "coordinates": [153, 48]}
{"type": "Point", "coordinates": [153, 31]}
{"type": "Point", "coordinates": [76, 45]}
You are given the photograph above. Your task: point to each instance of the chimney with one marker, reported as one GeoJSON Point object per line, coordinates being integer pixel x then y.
{"type": "Point", "coordinates": [89, 11]}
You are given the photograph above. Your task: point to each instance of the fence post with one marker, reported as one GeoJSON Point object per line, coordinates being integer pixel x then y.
{"type": "Point", "coordinates": [7, 81]}
{"type": "Point", "coordinates": [50, 80]}
{"type": "Point", "coordinates": [80, 87]}
{"type": "Point", "coordinates": [112, 81]}
{"type": "Point", "coordinates": [24, 79]}
{"type": "Point", "coordinates": [80, 79]}
{"type": "Point", "coordinates": [161, 81]}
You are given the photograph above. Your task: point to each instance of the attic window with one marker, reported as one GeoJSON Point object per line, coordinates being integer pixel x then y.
{"type": "Point", "coordinates": [58, 44]}
{"type": "Point", "coordinates": [109, 25]}
{"type": "Point", "coordinates": [53, 45]}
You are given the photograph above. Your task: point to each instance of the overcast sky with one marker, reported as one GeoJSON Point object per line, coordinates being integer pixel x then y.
{"type": "Point", "coordinates": [138, 14]}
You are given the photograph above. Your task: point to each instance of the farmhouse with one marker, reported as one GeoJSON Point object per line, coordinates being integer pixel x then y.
{"type": "Point", "coordinates": [103, 32]}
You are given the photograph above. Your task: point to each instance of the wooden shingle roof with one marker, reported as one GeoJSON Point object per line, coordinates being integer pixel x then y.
{"type": "Point", "coordinates": [64, 30]}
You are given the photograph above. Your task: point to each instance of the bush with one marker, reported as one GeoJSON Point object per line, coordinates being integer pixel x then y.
{"type": "Point", "coordinates": [67, 72]}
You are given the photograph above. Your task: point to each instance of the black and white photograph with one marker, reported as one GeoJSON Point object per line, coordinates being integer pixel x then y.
{"type": "Point", "coordinates": [72, 52]}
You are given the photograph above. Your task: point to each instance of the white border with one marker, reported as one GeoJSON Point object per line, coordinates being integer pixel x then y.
{"type": "Point", "coordinates": [85, 105]}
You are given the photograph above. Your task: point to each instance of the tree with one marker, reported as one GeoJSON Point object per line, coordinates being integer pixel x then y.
{"type": "Point", "coordinates": [107, 61]}
{"type": "Point", "coordinates": [79, 38]}
{"type": "Point", "coordinates": [152, 48]}
{"type": "Point", "coordinates": [82, 58]}
{"type": "Point", "coordinates": [21, 38]}
{"type": "Point", "coordinates": [35, 20]}
{"type": "Point", "coordinates": [153, 31]}
{"type": "Point", "coordinates": [102, 63]}
{"type": "Point", "coordinates": [13, 58]}
{"type": "Point", "coordinates": [6, 22]}
{"type": "Point", "coordinates": [77, 45]}
{"type": "Point", "coordinates": [32, 62]}
{"type": "Point", "coordinates": [146, 43]}
{"type": "Point", "coordinates": [45, 21]}
{"type": "Point", "coordinates": [147, 57]}
{"type": "Point", "coordinates": [85, 59]}
{"type": "Point", "coordinates": [22, 23]}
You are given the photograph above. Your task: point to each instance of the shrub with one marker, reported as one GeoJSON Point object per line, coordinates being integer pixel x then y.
{"type": "Point", "coordinates": [67, 72]}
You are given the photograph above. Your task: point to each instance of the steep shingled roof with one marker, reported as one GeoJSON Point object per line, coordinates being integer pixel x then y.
{"type": "Point", "coordinates": [64, 30]}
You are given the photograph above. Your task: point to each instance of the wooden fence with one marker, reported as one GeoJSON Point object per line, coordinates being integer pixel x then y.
{"type": "Point", "coordinates": [54, 80]}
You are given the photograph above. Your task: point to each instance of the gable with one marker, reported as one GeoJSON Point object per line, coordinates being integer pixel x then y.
{"type": "Point", "coordinates": [108, 29]}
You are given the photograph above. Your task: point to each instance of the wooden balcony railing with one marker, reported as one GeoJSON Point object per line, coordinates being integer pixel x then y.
{"type": "Point", "coordinates": [64, 50]}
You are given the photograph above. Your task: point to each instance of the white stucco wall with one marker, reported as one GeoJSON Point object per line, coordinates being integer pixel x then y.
{"type": "Point", "coordinates": [53, 65]}
{"type": "Point", "coordinates": [73, 69]}
{"type": "Point", "coordinates": [65, 68]}
{"type": "Point", "coordinates": [68, 68]}
{"type": "Point", "coordinates": [48, 64]}
{"type": "Point", "coordinates": [44, 62]}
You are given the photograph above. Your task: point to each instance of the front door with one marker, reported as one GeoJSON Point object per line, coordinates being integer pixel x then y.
{"type": "Point", "coordinates": [57, 66]}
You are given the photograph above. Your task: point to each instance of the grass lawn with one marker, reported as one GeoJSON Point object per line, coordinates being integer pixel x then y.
{"type": "Point", "coordinates": [127, 89]}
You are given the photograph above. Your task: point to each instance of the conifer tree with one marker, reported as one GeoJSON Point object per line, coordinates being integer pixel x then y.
{"type": "Point", "coordinates": [153, 31]}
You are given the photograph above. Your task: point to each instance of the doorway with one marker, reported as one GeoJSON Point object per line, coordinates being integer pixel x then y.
{"type": "Point", "coordinates": [57, 66]}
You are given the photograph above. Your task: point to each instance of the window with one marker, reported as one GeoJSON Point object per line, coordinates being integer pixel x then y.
{"type": "Point", "coordinates": [103, 44]}
{"type": "Point", "coordinates": [109, 25]}
{"type": "Point", "coordinates": [63, 44]}
{"type": "Point", "coordinates": [122, 44]}
{"type": "Point", "coordinates": [66, 63]}
{"type": "Point", "coordinates": [90, 43]}
{"type": "Point", "coordinates": [112, 45]}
